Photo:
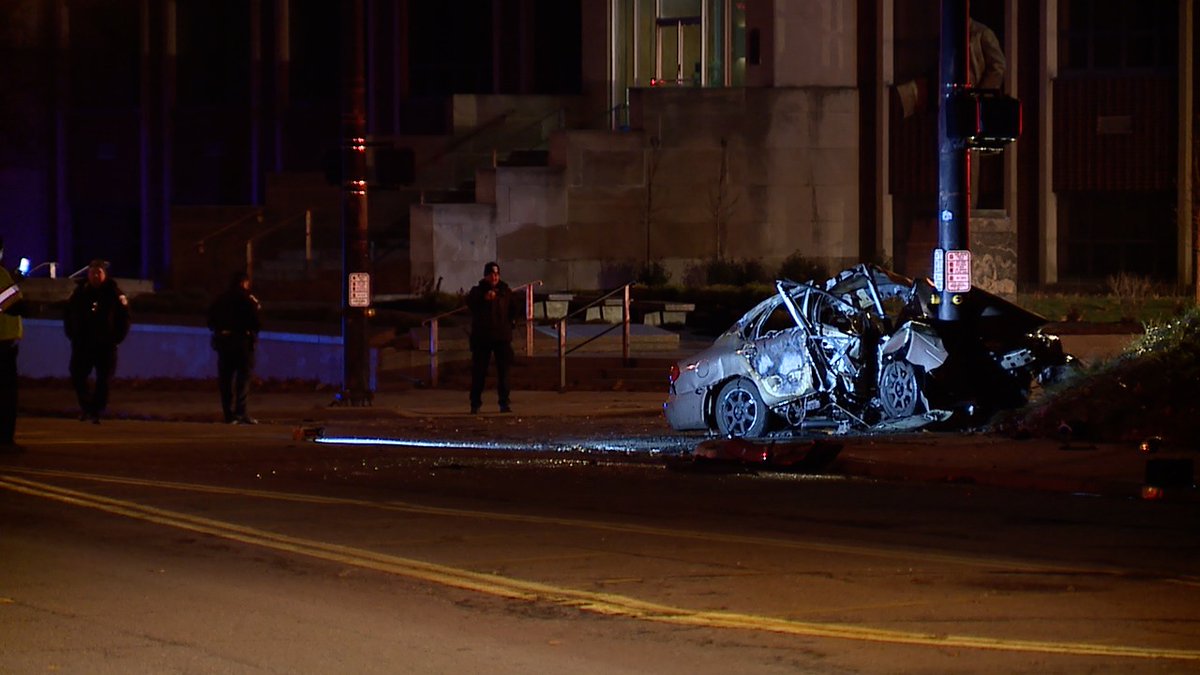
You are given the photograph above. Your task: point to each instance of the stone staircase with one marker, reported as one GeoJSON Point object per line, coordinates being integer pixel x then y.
{"type": "Point", "coordinates": [541, 373]}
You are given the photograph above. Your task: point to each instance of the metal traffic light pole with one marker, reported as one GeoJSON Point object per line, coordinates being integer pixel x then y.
{"type": "Point", "coordinates": [356, 263]}
{"type": "Point", "coordinates": [952, 258]}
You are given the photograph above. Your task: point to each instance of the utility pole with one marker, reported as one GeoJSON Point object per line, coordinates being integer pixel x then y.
{"type": "Point", "coordinates": [356, 263]}
{"type": "Point", "coordinates": [952, 258]}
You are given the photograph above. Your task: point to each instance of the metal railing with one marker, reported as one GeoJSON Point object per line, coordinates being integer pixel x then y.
{"type": "Point", "coordinates": [432, 322]}
{"type": "Point", "coordinates": [254, 237]}
{"type": "Point", "coordinates": [562, 331]}
{"type": "Point", "coordinates": [453, 146]}
{"type": "Point", "coordinates": [514, 140]}
{"type": "Point", "coordinates": [560, 326]}
{"type": "Point", "coordinates": [308, 246]}
{"type": "Point", "coordinates": [199, 243]}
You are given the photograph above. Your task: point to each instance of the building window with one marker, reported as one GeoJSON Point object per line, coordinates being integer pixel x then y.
{"type": "Point", "coordinates": [1100, 35]}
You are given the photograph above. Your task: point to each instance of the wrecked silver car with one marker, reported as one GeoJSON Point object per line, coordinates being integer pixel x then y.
{"type": "Point", "coordinates": [860, 351]}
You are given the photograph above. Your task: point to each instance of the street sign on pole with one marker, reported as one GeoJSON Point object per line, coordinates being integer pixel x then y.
{"type": "Point", "coordinates": [958, 271]}
{"type": "Point", "coordinates": [359, 284]}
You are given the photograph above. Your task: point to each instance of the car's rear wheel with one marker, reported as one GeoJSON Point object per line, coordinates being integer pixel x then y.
{"type": "Point", "coordinates": [899, 389]}
{"type": "Point", "coordinates": [740, 410]}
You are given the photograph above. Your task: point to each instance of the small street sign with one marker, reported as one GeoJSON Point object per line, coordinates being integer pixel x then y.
{"type": "Point", "coordinates": [958, 271]}
{"type": "Point", "coordinates": [360, 289]}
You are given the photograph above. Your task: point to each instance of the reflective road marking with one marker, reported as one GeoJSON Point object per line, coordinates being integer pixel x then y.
{"type": "Point", "coordinates": [600, 603]}
{"type": "Point", "coordinates": [907, 556]}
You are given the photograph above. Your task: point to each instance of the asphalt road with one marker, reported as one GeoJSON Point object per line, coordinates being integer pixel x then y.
{"type": "Point", "coordinates": [196, 548]}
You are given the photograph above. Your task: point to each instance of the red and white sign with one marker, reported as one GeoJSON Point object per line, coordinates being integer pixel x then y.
{"type": "Point", "coordinates": [360, 289]}
{"type": "Point", "coordinates": [958, 271]}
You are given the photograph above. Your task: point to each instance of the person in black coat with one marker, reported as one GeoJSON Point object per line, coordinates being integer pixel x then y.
{"type": "Point", "coordinates": [96, 321]}
{"type": "Point", "coordinates": [493, 315]}
{"type": "Point", "coordinates": [234, 322]}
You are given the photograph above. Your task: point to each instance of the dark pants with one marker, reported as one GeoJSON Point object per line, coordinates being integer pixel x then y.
{"type": "Point", "coordinates": [481, 354]}
{"type": "Point", "coordinates": [84, 359]}
{"type": "Point", "coordinates": [233, 377]}
{"type": "Point", "coordinates": [8, 391]}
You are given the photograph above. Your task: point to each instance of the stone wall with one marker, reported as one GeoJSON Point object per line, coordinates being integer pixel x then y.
{"type": "Point", "coordinates": [610, 201]}
{"type": "Point", "coordinates": [994, 252]}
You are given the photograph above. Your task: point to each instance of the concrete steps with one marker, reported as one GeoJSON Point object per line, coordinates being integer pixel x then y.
{"type": "Point", "coordinates": [541, 373]}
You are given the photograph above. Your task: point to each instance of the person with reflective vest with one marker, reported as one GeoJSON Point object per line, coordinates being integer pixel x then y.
{"type": "Point", "coordinates": [11, 308]}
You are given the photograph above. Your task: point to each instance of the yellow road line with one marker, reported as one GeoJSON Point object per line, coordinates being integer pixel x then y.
{"type": "Point", "coordinates": [600, 603]}
{"type": "Point", "coordinates": [908, 556]}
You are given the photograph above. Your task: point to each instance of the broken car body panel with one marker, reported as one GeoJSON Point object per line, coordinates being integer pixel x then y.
{"type": "Point", "coordinates": [861, 349]}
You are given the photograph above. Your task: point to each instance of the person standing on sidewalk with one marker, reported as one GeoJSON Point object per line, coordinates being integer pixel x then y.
{"type": "Point", "coordinates": [96, 321]}
{"type": "Point", "coordinates": [234, 322]}
{"type": "Point", "coordinates": [11, 308]}
{"type": "Point", "coordinates": [493, 316]}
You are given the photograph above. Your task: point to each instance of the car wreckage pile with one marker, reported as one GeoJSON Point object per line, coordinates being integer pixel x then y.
{"type": "Point", "coordinates": [863, 351]}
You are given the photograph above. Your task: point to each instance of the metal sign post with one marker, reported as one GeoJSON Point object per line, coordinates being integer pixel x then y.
{"type": "Point", "coordinates": [953, 196]}
{"type": "Point", "coordinates": [356, 263]}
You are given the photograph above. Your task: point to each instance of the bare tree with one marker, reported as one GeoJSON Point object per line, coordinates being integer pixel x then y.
{"type": "Point", "coordinates": [649, 208]}
{"type": "Point", "coordinates": [721, 202]}
{"type": "Point", "coordinates": [1195, 207]}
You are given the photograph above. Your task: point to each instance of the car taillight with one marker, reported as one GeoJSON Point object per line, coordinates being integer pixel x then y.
{"type": "Point", "coordinates": [674, 375]}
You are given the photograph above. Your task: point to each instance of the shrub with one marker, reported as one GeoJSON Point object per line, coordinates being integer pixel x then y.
{"type": "Point", "coordinates": [653, 274]}
{"type": "Point", "coordinates": [1131, 292]}
{"type": "Point", "coordinates": [799, 268]}
{"type": "Point", "coordinates": [719, 272]}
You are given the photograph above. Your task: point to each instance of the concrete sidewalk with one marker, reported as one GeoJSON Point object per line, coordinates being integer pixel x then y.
{"type": "Point", "coordinates": [1111, 469]}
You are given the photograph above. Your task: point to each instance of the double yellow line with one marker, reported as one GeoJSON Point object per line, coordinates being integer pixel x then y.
{"type": "Point", "coordinates": [599, 603]}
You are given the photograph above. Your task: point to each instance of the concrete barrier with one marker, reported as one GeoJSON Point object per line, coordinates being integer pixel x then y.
{"type": "Point", "coordinates": [184, 352]}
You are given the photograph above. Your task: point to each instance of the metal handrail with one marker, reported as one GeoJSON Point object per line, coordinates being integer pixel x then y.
{"type": "Point", "coordinates": [306, 213]}
{"type": "Point", "coordinates": [620, 109]}
{"type": "Point", "coordinates": [459, 141]}
{"type": "Point", "coordinates": [625, 315]}
{"type": "Point", "coordinates": [199, 243]}
{"type": "Point", "coordinates": [53, 265]}
{"type": "Point", "coordinates": [432, 322]}
{"type": "Point", "coordinates": [560, 113]}
{"type": "Point", "coordinates": [562, 332]}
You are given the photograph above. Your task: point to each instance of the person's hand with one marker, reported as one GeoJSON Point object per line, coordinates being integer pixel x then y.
{"type": "Point", "coordinates": [491, 295]}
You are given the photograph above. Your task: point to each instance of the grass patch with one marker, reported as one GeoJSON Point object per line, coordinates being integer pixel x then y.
{"type": "Point", "coordinates": [1150, 389]}
{"type": "Point", "coordinates": [1105, 308]}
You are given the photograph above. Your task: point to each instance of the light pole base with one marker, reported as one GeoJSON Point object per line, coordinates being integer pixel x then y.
{"type": "Point", "coordinates": [353, 399]}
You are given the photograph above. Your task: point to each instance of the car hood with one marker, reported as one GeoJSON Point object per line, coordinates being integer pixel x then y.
{"type": "Point", "coordinates": [988, 315]}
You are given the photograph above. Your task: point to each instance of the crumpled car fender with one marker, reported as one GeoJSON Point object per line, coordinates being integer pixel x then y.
{"type": "Point", "coordinates": [918, 344]}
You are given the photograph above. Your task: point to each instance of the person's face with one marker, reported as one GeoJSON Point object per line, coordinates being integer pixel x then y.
{"type": "Point", "coordinates": [96, 275]}
{"type": "Point", "coordinates": [493, 276]}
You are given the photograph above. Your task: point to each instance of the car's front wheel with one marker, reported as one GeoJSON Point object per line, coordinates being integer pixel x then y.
{"type": "Point", "coordinates": [740, 410]}
{"type": "Point", "coordinates": [899, 389]}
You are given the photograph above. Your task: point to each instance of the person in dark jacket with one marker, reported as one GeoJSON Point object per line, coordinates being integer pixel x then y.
{"type": "Point", "coordinates": [96, 321]}
{"type": "Point", "coordinates": [493, 315]}
{"type": "Point", "coordinates": [234, 322]}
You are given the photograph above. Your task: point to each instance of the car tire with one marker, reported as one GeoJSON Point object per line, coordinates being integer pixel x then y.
{"type": "Point", "coordinates": [900, 390]}
{"type": "Point", "coordinates": [740, 411]}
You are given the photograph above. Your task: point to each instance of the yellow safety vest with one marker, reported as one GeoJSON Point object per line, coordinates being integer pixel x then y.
{"type": "Point", "coordinates": [10, 326]}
